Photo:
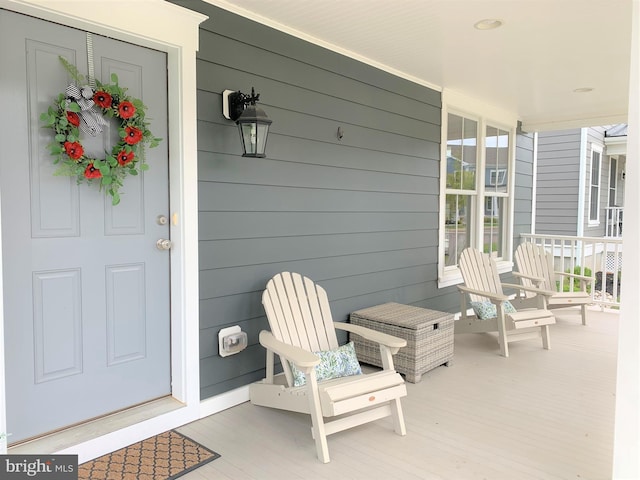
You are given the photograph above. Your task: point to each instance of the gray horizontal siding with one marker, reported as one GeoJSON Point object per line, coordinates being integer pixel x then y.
{"type": "Point", "coordinates": [558, 187]}
{"type": "Point", "coordinates": [522, 205]}
{"type": "Point", "coordinates": [358, 215]}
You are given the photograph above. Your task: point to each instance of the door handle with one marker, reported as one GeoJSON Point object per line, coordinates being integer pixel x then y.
{"type": "Point", "coordinates": [164, 244]}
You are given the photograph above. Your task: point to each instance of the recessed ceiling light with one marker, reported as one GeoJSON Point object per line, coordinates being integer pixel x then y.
{"type": "Point", "coordinates": [488, 24]}
{"type": "Point", "coordinates": [583, 90]}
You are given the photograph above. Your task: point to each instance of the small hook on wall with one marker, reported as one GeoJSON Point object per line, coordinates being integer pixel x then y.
{"type": "Point", "coordinates": [340, 133]}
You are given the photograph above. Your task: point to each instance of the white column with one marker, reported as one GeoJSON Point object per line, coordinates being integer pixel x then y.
{"type": "Point", "coordinates": [626, 461]}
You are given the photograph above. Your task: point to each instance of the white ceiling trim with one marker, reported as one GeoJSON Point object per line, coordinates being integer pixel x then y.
{"type": "Point", "coordinates": [544, 125]}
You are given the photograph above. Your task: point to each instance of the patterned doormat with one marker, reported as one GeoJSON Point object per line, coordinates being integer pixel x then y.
{"type": "Point", "coordinates": [163, 457]}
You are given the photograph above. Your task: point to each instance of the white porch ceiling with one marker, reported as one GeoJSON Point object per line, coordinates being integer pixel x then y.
{"type": "Point", "coordinates": [530, 66]}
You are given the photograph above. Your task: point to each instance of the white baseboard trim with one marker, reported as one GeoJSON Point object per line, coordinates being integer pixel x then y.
{"type": "Point", "coordinates": [223, 401]}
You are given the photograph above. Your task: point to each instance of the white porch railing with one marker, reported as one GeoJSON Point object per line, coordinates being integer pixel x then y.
{"type": "Point", "coordinates": [599, 258]}
{"type": "Point", "coordinates": [613, 225]}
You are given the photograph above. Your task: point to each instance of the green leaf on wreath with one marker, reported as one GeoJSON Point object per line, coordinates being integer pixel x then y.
{"type": "Point", "coordinates": [74, 107]}
{"type": "Point", "coordinates": [106, 180]}
{"type": "Point", "coordinates": [63, 122]}
{"type": "Point", "coordinates": [72, 70]}
{"type": "Point", "coordinates": [114, 78]}
{"type": "Point", "coordinates": [61, 137]}
{"type": "Point", "coordinates": [144, 167]}
{"type": "Point", "coordinates": [71, 138]}
{"type": "Point", "coordinates": [56, 149]}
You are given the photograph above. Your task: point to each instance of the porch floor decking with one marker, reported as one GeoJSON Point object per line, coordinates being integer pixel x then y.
{"type": "Point", "coordinates": [540, 414]}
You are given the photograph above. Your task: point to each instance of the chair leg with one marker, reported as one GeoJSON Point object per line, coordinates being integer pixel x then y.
{"type": "Point", "coordinates": [583, 309]}
{"type": "Point", "coordinates": [322, 447]}
{"type": "Point", "coordinates": [398, 417]}
{"type": "Point", "coordinates": [502, 338]}
{"type": "Point", "coordinates": [546, 338]}
{"type": "Point", "coordinates": [317, 420]}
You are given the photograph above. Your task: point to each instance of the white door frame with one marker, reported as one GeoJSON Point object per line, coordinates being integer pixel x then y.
{"type": "Point", "coordinates": [174, 30]}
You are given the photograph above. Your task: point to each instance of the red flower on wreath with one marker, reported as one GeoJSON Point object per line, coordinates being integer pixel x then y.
{"type": "Point", "coordinates": [92, 172]}
{"type": "Point", "coordinates": [73, 118]}
{"type": "Point", "coordinates": [125, 157]}
{"type": "Point", "coordinates": [74, 150]}
{"type": "Point", "coordinates": [102, 99]}
{"type": "Point", "coordinates": [126, 109]}
{"type": "Point", "coordinates": [132, 135]}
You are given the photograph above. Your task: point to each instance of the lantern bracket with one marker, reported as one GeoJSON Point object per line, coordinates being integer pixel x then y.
{"type": "Point", "coordinates": [234, 102]}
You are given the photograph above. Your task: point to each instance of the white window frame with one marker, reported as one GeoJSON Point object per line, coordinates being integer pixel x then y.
{"type": "Point", "coordinates": [485, 116]}
{"type": "Point", "coordinates": [595, 148]}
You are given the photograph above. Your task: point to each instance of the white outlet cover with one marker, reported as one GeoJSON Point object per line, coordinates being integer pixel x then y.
{"type": "Point", "coordinates": [223, 333]}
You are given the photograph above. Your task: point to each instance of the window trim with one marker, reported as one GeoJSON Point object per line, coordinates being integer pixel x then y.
{"type": "Point", "coordinates": [595, 148]}
{"type": "Point", "coordinates": [451, 275]}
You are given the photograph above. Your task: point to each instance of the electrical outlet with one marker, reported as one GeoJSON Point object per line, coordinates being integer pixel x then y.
{"type": "Point", "coordinates": [231, 340]}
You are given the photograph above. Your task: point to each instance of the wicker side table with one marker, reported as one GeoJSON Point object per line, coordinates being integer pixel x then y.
{"type": "Point", "coordinates": [429, 336]}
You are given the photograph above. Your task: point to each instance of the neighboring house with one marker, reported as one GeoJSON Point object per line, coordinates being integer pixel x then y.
{"type": "Point", "coordinates": [581, 181]}
{"type": "Point", "coordinates": [362, 213]}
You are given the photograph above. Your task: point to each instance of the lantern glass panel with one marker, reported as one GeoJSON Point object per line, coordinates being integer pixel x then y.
{"type": "Point", "coordinates": [254, 138]}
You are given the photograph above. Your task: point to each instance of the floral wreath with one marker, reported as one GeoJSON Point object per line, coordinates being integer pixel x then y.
{"type": "Point", "coordinates": [75, 111]}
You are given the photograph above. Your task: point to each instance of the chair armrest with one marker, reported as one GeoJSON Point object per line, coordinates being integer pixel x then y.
{"type": "Point", "coordinates": [302, 358]}
{"type": "Point", "coordinates": [539, 291]}
{"type": "Point", "coordinates": [490, 295]}
{"type": "Point", "coordinates": [584, 280]}
{"type": "Point", "coordinates": [573, 275]}
{"type": "Point", "coordinates": [373, 335]}
{"type": "Point", "coordinates": [536, 280]}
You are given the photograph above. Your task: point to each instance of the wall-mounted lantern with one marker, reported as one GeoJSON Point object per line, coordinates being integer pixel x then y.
{"type": "Point", "coordinates": [252, 122]}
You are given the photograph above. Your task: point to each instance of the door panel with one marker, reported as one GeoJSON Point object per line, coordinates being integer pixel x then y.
{"type": "Point", "coordinates": [57, 324]}
{"type": "Point", "coordinates": [86, 291]}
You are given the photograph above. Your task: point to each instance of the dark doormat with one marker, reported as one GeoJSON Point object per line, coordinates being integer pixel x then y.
{"type": "Point", "coordinates": [163, 457]}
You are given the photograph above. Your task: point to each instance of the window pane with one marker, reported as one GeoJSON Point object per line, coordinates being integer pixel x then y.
{"type": "Point", "coordinates": [595, 168]}
{"type": "Point", "coordinates": [454, 151]}
{"type": "Point", "coordinates": [593, 205]}
{"type": "Point", "coordinates": [613, 182]}
{"type": "Point", "coordinates": [497, 159]}
{"type": "Point", "coordinates": [594, 201]}
{"type": "Point", "coordinates": [461, 152]}
{"type": "Point", "coordinates": [457, 224]}
{"type": "Point", "coordinates": [494, 214]}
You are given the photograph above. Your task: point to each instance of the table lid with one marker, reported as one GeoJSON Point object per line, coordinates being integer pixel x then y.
{"type": "Point", "coordinates": [403, 315]}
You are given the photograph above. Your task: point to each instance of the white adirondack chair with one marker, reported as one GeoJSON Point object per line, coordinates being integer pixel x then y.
{"type": "Point", "coordinates": [301, 323]}
{"type": "Point", "coordinates": [535, 269]}
{"type": "Point", "coordinates": [482, 284]}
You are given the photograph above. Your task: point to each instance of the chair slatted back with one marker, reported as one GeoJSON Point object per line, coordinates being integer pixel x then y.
{"type": "Point", "coordinates": [533, 260]}
{"type": "Point", "coordinates": [479, 272]}
{"type": "Point", "coordinates": [298, 312]}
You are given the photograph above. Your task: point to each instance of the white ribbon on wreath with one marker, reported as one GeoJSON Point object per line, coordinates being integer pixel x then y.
{"type": "Point", "coordinates": [91, 120]}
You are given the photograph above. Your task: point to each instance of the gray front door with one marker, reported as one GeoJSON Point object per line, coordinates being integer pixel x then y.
{"type": "Point", "coordinates": [86, 291]}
